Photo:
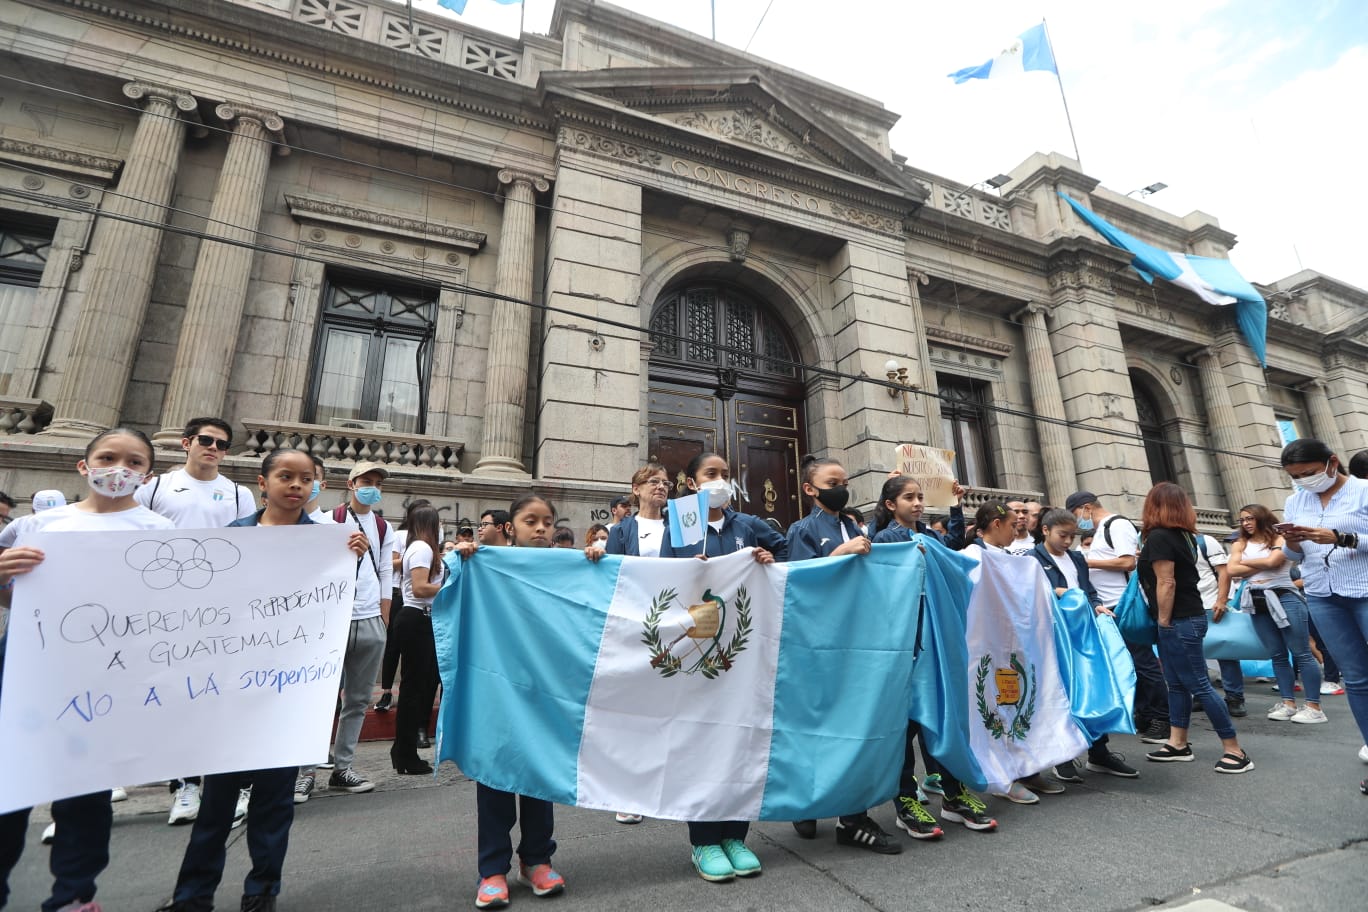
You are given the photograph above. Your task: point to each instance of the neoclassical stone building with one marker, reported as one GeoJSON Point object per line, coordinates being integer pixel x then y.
{"type": "Point", "coordinates": [498, 264]}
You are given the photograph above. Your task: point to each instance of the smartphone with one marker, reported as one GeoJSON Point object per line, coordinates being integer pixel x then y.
{"type": "Point", "coordinates": [1282, 528]}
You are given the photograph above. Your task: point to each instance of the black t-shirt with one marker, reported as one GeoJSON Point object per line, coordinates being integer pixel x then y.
{"type": "Point", "coordinates": [1181, 548]}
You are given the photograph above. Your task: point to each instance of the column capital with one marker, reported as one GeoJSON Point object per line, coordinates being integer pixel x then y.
{"type": "Point", "coordinates": [178, 98]}
{"type": "Point", "coordinates": [1314, 384]}
{"type": "Point", "coordinates": [270, 121]}
{"type": "Point", "coordinates": [1031, 308]}
{"type": "Point", "coordinates": [1198, 357]}
{"type": "Point", "coordinates": [512, 176]}
{"type": "Point", "coordinates": [917, 277]}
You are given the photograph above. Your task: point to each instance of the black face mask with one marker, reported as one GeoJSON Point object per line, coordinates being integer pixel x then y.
{"type": "Point", "coordinates": [835, 498]}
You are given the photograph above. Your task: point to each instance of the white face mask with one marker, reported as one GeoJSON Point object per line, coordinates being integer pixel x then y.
{"type": "Point", "coordinates": [719, 493]}
{"type": "Point", "coordinates": [113, 481]}
{"type": "Point", "coordinates": [1316, 484]}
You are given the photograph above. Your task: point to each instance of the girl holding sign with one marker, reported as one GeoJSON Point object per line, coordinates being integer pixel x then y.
{"type": "Point", "coordinates": [532, 521]}
{"type": "Point", "coordinates": [286, 481]}
{"type": "Point", "coordinates": [117, 462]}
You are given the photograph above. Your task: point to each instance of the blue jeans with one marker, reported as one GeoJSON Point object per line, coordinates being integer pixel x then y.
{"type": "Point", "coordinates": [1344, 621]}
{"type": "Point", "coordinates": [1294, 638]}
{"type": "Point", "coordinates": [80, 849]}
{"type": "Point", "coordinates": [269, 816]}
{"type": "Point", "coordinates": [1232, 679]}
{"type": "Point", "coordinates": [1185, 671]}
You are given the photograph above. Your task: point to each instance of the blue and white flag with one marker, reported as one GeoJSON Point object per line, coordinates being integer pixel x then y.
{"type": "Point", "coordinates": [680, 689]}
{"type": "Point", "coordinates": [1030, 51]}
{"type": "Point", "coordinates": [459, 6]}
{"type": "Point", "coordinates": [1215, 281]}
{"type": "Point", "coordinates": [688, 519]}
{"type": "Point", "coordinates": [1099, 674]}
{"type": "Point", "coordinates": [1021, 720]}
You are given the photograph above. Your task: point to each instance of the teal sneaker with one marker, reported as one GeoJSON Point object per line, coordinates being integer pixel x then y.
{"type": "Point", "coordinates": [931, 785]}
{"type": "Point", "coordinates": [711, 863]}
{"type": "Point", "coordinates": [743, 860]}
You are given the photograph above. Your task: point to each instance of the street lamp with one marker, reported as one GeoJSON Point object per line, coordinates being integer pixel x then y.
{"type": "Point", "coordinates": [1150, 190]}
{"type": "Point", "coordinates": [897, 377]}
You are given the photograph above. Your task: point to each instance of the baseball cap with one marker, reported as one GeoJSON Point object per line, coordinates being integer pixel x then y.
{"type": "Point", "coordinates": [1079, 499]}
{"type": "Point", "coordinates": [361, 468]}
{"type": "Point", "coordinates": [46, 500]}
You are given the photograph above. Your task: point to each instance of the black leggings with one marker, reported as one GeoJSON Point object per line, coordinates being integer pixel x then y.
{"type": "Point", "coordinates": [389, 666]}
{"type": "Point", "coordinates": [412, 630]}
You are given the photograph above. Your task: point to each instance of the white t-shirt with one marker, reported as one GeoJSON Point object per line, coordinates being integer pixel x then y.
{"type": "Point", "coordinates": [70, 519]}
{"type": "Point", "coordinates": [1267, 579]}
{"type": "Point", "coordinates": [322, 517]}
{"type": "Point", "coordinates": [649, 534]}
{"type": "Point", "coordinates": [1125, 540]}
{"type": "Point", "coordinates": [1207, 583]}
{"type": "Point", "coordinates": [1020, 546]}
{"type": "Point", "coordinates": [1066, 566]}
{"type": "Point", "coordinates": [375, 569]}
{"type": "Point", "coordinates": [193, 504]}
{"type": "Point", "coordinates": [418, 554]}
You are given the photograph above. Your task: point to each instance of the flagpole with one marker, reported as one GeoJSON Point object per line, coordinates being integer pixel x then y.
{"type": "Point", "coordinates": [1067, 117]}
{"type": "Point", "coordinates": [413, 37]}
{"type": "Point", "coordinates": [522, 18]}
{"type": "Point", "coordinates": [712, 4]}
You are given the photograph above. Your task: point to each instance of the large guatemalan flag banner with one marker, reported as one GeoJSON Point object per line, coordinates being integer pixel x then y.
{"type": "Point", "coordinates": [681, 689]}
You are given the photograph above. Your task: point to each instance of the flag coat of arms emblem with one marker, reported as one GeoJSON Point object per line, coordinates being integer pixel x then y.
{"type": "Point", "coordinates": [678, 688]}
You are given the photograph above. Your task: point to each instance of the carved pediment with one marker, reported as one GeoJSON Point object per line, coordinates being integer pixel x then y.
{"type": "Point", "coordinates": [750, 127]}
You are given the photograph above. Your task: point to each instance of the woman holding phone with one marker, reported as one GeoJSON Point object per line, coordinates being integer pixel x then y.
{"type": "Point", "coordinates": [1325, 533]}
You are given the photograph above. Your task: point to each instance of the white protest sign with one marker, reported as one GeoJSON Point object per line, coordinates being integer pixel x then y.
{"type": "Point", "coordinates": [934, 470]}
{"type": "Point", "coordinates": [140, 656]}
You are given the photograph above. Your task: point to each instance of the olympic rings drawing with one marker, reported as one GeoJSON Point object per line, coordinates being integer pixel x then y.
{"type": "Point", "coordinates": [183, 562]}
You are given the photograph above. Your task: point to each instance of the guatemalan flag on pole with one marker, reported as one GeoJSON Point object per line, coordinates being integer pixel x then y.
{"type": "Point", "coordinates": [680, 689]}
{"type": "Point", "coordinates": [1030, 51]}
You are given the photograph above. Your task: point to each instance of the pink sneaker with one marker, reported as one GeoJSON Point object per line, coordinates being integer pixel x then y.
{"type": "Point", "coordinates": [542, 878]}
{"type": "Point", "coordinates": [493, 893]}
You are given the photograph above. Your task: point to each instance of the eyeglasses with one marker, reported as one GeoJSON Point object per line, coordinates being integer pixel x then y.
{"type": "Point", "coordinates": [206, 441]}
{"type": "Point", "coordinates": [657, 482]}
{"type": "Point", "coordinates": [484, 523]}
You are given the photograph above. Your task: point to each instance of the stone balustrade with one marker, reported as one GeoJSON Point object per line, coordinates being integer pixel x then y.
{"type": "Point", "coordinates": [1213, 519]}
{"type": "Point", "coordinates": [345, 445]}
{"type": "Point", "coordinates": [977, 497]}
{"type": "Point", "coordinates": [23, 416]}
{"type": "Point", "coordinates": [391, 24]}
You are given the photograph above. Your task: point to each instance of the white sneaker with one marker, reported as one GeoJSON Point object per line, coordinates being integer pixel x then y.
{"type": "Point", "coordinates": [1363, 753]}
{"type": "Point", "coordinates": [240, 812]}
{"type": "Point", "coordinates": [49, 832]}
{"type": "Point", "coordinates": [1018, 794]}
{"type": "Point", "coordinates": [1308, 716]}
{"type": "Point", "coordinates": [185, 807]}
{"type": "Point", "coordinates": [118, 793]}
{"type": "Point", "coordinates": [1282, 712]}
{"type": "Point", "coordinates": [1331, 688]}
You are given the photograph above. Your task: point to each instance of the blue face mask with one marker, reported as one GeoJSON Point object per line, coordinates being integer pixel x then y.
{"type": "Point", "coordinates": [1085, 524]}
{"type": "Point", "coordinates": [369, 495]}
{"type": "Point", "coordinates": [316, 489]}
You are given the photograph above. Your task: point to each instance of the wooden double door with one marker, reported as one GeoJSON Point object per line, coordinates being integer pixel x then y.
{"type": "Point", "coordinates": [761, 437]}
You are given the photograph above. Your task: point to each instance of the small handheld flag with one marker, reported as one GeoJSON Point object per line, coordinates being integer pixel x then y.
{"type": "Point", "coordinates": [688, 518]}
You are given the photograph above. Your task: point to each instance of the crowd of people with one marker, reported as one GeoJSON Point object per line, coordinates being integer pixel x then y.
{"type": "Point", "coordinates": [1303, 580]}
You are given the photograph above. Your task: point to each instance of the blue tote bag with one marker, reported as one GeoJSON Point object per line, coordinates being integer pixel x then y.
{"type": "Point", "coordinates": [1233, 637]}
{"type": "Point", "coordinates": [1133, 617]}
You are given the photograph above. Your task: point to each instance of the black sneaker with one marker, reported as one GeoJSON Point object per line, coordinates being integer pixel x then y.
{"type": "Point", "coordinates": [383, 704]}
{"type": "Point", "coordinates": [965, 808]}
{"type": "Point", "coordinates": [349, 780]}
{"type": "Point", "coordinates": [1156, 733]}
{"type": "Point", "coordinates": [188, 905]}
{"type": "Point", "coordinates": [867, 835]}
{"type": "Point", "coordinates": [915, 820]}
{"type": "Point", "coordinates": [1067, 772]}
{"type": "Point", "coordinates": [1170, 754]}
{"type": "Point", "coordinates": [806, 829]}
{"type": "Point", "coordinates": [259, 903]}
{"type": "Point", "coordinates": [1234, 763]}
{"type": "Point", "coordinates": [1112, 764]}
{"type": "Point", "coordinates": [1236, 708]}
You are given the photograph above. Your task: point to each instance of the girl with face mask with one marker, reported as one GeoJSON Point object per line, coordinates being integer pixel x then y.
{"type": "Point", "coordinates": [729, 531]}
{"type": "Point", "coordinates": [1325, 533]}
{"type": "Point", "coordinates": [117, 462]}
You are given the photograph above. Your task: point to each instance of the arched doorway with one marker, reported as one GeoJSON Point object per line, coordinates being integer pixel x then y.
{"type": "Point", "coordinates": [1158, 448]}
{"type": "Point", "coordinates": [746, 405]}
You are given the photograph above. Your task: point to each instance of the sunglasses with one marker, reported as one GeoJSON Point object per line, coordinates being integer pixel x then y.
{"type": "Point", "coordinates": [206, 441]}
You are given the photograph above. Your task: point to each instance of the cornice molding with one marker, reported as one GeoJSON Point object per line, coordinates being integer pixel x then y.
{"type": "Point", "coordinates": [307, 210]}
{"type": "Point", "coordinates": [47, 157]}
{"type": "Point", "coordinates": [965, 340]}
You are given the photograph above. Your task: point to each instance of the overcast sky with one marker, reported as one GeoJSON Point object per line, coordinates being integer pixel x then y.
{"type": "Point", "coordinates": [1250, 110]}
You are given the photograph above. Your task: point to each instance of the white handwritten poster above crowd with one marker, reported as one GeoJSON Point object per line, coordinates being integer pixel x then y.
{"type": "Point", "coordinates": [135, 657]}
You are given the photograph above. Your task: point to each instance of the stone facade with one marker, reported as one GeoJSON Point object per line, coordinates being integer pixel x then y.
{"type": "Point", "coordinates": [302, 214]}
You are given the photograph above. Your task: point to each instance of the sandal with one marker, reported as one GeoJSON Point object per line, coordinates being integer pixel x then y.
{"type": "Point", "coordinates": [1170, 754]}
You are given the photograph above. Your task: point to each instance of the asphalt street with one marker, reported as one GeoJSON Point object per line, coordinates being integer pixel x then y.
{"type": "Point", "coordinates": [1291, 835]}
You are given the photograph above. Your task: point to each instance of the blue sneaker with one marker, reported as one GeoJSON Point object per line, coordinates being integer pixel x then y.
{"type": "Point", "coordinates": [932, 785]}
{"type": "Point", "coordinates": [743, 860]}
{"type": "Point", "coordinates": [711, 863]}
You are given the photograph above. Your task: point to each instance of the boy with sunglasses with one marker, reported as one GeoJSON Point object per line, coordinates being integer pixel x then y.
{"type": "Point", "coordinates": [196, 496]}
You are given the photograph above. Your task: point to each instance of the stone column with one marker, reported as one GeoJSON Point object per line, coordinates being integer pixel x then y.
{"type": "Point", "coordinates": [1056, 450]}
{"type": "Point", "coordinates": [218, 290]}
{"type": "Point", "coordinates": [124, 250]}
{"type": "Point", "coordinates": [510, 330]}
{"type": "Point", "coordinates": [1324, 426]}
{"type": "Point", "coordinates": [916, 278]}
{"type": "Point", "coordinates": [1224, 431]}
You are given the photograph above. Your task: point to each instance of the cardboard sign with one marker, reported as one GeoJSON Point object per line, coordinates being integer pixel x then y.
{"type": "Point", "coordinates": [933, 469]}
{"type": "Point", "coordinates": [141, 656]}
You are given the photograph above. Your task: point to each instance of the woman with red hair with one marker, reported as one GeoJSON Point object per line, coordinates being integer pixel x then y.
{"type": "Point", "coordinates": [1168, 576]}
